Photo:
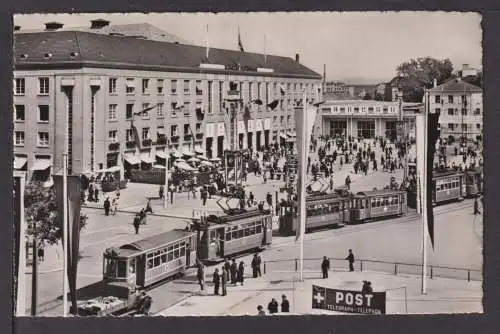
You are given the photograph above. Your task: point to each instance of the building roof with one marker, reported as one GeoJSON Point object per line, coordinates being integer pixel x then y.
{"type": "Point", "coordinates": [456, 85]}
{"type": "Point", "coordinates": [76, 49]}
{"type": "Point", "coordinates": [146, 30]}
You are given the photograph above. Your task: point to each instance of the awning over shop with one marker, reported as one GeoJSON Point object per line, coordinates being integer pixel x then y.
{"type": "Point", "coordinates": [198, 150]}
{"type": "Point", "coordinates": [132, 159]}
{"type": "Point", "coordinates": [206, 163]}
{"type": "Point", "coordinates": [175, 154]}
{"type": "Point", "coordinates": [19, 162]}
{"type": "Point", "coordinates": [41, 164]}
{"type": "Point", "coordinates": [159, 166]}
{"type": "Point", "coordinates": [184, 166]}
{"type": "Point", "coordinates": [291, 134]}
{"type": "Point", "coordinates": [146, 158]}
{"type": "Point", "coordinates": [283, 135]}
{"type": "Point", "coordinates": [193, 159]}
{"type": "Point", "coordinates": [215, 159]}
{"type": "Point", "coordinates": [187, 152]}
{"type": "Point", "coordinates": [161, 154]}
{"type": "Point", "coordinates": [113, 169]}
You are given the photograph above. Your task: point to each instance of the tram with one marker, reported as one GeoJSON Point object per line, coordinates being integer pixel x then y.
{"type": "Point", "coordinates": [448, 186]}
{"type": "Point", "coordinates": [325, 210]}
{"type": "Point", "coordinates": [473, 182]}
{"type": "Point", "coordinates": [377, 204]}
{"type": "Point", "coordinates": [232, 233]}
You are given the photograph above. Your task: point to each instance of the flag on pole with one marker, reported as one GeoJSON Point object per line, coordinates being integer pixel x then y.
{"type": "Point", "coordinates": [433, 134]}
{"type": "Point", "coordinates": [73, 228]}
{"type": "Point", "coordinates": [257, 102]}
{"type": "Point", "coordinates": [273, 104]}
{"type": "Point", "coordinates": [304, 117]}
{"type": "Point", "coordinates": [240, 44]}
{"type": "Point", "coordinates": [136, 135]}
{"type": "Point", "coordinates": [246, 117]}
{"type": "Point", "coordinates": [207, 44]}
{"type": "Point", "coordinates": [19, 230]}
{"type": "Point", "coordinates": [145, 110]}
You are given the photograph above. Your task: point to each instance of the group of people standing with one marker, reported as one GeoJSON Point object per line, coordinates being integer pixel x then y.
{"type": "Point", "coordinates": [325, 264]}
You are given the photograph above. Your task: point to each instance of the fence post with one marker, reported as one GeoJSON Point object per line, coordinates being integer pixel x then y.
{"type": "Point", "coordinates": [361, 267]}
{"type": "Point", "coordinates": [395, 268]}
{"type": "Point", "coordinates": [468, 275]}
{"type": "Point", "coordinates": [296, 265]}
{"type": "Point", "coordinates": [431, 272]}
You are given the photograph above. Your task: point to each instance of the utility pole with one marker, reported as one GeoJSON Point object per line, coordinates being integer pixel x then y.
{"type": "Point", "coordinates": [34, 274]}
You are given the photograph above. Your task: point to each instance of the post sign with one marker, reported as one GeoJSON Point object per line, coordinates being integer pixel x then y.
{"type": "Point", "coordinates": [347, 301]}
{"type": "Point", "coordinates": [400, 130]}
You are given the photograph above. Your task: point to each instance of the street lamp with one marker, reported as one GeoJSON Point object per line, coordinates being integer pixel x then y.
{"type": "Point", "coordinates": [234, 100]}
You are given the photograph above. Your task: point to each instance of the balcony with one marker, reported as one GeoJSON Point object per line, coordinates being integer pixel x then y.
{"type": "Point", "coordinates": [161, 140]}
{"type": "Point", "coordinates": [199, 135]}
{"type": "Point", "coordinates": [130, 144]}
{"type": "Point", "coordinates": [147, 142]}
{"type": "Point", "coordinates": [187, 137]}
{"type": "Point", "coordinates": [114, 146]}
{"type": "Point", "coordinates": [174, 138]}
{"type": "Point", "coordinates": [186, 113]}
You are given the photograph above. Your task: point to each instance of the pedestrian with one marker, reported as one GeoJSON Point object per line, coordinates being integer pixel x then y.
{"type": "Point", "coordinates": [350, 258]}
{"type": "Point", "coordinates": [224, 281]}
{"type": "Point", "coordinates": [200, 274]}
{"type": "Point", "coordinates": [285, 304]}
{"type": "Point", "coordinates": [476, 207]}
{"type": "Point", "coordinates": [115, 206]}
{"type": "Point", "coordinates": [107, 206]}
{"type": "Point", "coordinates": [241, 272]}
{"type": "Point", "coordinates": [171, 189]}
{"type": "Point", "coordinates": [233, 271]}
{"type": "Point", "coordinates": [96, 195]}
{"type": "Point", "coordinates": [137, 223]}
{"type": "Point", "coordinates": [272, 307]}
{"type": "Point", "coordinates": [269, 199]}
{"type": "Point", "coordinates": [161, 192]}
{"type": "Point", "coordinates": [203, 195]}
{"type": "Point", "coordinates": [325, 266]}
{"type": "Point", "coordinates": [216, 281]}
{"type": "Point", "coordinates": [148, 206]}
{"type": "Point", "coordinates": [41, 252]}
{"type": "Point", "coordinates": [260, 310]}
{"type": "Point", "coordinates": [90, 197]}
{"type": "Point", "coordinates": [331, 182]}
{"type": "Point", "coordinates": [367, 288]}
{"type": "Point", "coordinates": [348, 182]}
{"type": "Point", "coordinates": [254, 266]}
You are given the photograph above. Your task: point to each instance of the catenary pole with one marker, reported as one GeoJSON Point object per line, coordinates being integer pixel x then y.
{"type": "Point", "coordinates": [303, 177]}
{"type": "Point", "coordinates": [423, 186]}
{"type": "Point", "coordinates": [65, 234]}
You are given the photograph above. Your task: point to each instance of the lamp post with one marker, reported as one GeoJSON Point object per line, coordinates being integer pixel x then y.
{"type": "Point", "coordinates": [234, 101]}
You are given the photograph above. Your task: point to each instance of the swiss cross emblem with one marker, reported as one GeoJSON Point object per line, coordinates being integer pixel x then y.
{"type": "Point", "coordinates": [318, 297]}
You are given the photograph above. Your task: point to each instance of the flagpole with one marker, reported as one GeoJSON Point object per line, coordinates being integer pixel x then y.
{"type": "Point", "coordinates": [265, 52]}
{"type": "Point", "coordinates": [167, 156]}
{"type": "Point", "coordinates": [423, 185]}
{"type": "Point", "coordinates": [65, 235]}
{"type": "Point", "coordinates": [207, 43]}
{"type": "Point", "coordinates": [303, 176]}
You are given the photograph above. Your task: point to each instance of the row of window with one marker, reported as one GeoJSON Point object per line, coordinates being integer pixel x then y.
{"type": "Point", "coordinates": [42, 138]}
{"type": "Point", "coordinates": [446, 185]}
{"type": "Point", "coordinates": [20, 86]}
{"type": "Point", "coordinates": [363, 109]}
{"type": "Point", "coordinates": [454, 111]}
{"type": "Point", "coordinates": [43, 87]}
{"type": "Point", "coordinates": [322, 209]}
{"type": "Point", "coordinates": [243, 230]}
{"type": "Point", "coordinates": [42, 113]}
{"type": "Point", "coordinates": [464, 126]}
{"type": "Point", "coordinates": [166, 255]}
{"type": "Point", "coordinates": [146, 132]}
{"type": "Point", "coordinates": [451, 99]}
{"type": "Point", "coordinates": [384, 201]}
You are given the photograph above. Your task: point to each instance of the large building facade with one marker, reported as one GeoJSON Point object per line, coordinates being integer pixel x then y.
{"type": "Point", "coordinates": [460, 105]}
{"type": "Point", "coordinates": [82, 91]}
{"type": "Point", "coordinates": [364, 118]}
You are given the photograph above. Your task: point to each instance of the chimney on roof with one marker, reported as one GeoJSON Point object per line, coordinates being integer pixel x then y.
{"type": "Point", "coordinates": [17, 28]}
{"type": "Point", "coordinates": [98, 24]}
{"type": "Point", "coordinates": [53, 25]}
{"type": "Point", "coordinates": [297, 57]}
{"type": "Point", "coordinates": [435, 83]}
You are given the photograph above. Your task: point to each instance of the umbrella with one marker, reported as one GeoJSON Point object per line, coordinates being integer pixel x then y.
{"type": "Point", "coordinates": [206, 163]}
{"type": "Point", "coordinates": [183, 165]}
{"type": "Point", "coordinates": [159, 166]}
{"type": "Point", "coordinates": [176, 154]}
{"type": "Point", "coordinates": [198, 150]}
{"type": "Point", "coordinates": [215, 159]}
{"type": "Point", "coordinates": [193, 159]}
{"type": "Point", "coordinates": [187, 152]}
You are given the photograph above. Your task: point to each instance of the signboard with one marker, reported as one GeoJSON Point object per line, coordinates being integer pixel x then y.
{"type": "Point", "coordinates": [347, 301]}
{"type": "Point", "coordinates": [209, 130]}
{"type": "Point", "coordinates": [241, 127]}
{"type": "Point", "coordinates": [258, 125]}
{"type": "Point", "coordinates": [267, 124]}
{"type": "Point", "coordinates": [221, 129]}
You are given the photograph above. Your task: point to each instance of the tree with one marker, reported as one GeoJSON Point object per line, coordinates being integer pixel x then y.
{"type": "Point", "coordinates": [418, 74]}
{"type": "Point", "coordinates": [476, 80]}
{"type": "Point", "coordinates": [41, 210]}
{"type": "Point", "coordinates": [378, 97]}
{"type": "Point", "coordinates": [367, 96]}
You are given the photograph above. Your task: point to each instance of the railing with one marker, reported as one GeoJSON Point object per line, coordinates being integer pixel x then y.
{"type": "Point", "coordinates": [395, 268]}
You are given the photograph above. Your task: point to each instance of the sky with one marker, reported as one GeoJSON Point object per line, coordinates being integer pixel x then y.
{"type": "Point", "coordinates": [354, 46]}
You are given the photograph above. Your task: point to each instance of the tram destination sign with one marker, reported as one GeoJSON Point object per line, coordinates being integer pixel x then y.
{"type": "Point", "coordinates": [348, 301]}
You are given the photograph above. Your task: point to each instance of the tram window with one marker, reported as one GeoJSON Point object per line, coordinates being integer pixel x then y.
{"type": "Point", "coordinates": [247, 231]}
{"type": "Point", "coordinates": [258, 229]}
{"type": "Point", "coordinates": [150, 255]}
{"type": "Point", "coordinates": [240, 232]}
{"type": "Point", "coordinates": [234, 233]}
{"type": "Point", "coordinates": [361, 204]}
{"type": "Point", "coordinates": [176, 253]}
{"type": "Point", "coordinates": [183, 251]}
{"type": "Point", "coordinates": [163, 258]}
{"type": "Point", "coordinates": [170, 248]}
{"type": "Point", "coordinates": [212, 236]}
{"type": "Point", "coordinates": [170, 256]}
{"type": "Point", "coordinates": [150, 264]}
{"type": "Point", "coordinates": [157, 261]}
{"type": "Point", "coordinates": [396, 200]}
{"type": "Point", "coordinates": [252, 229]}
{"type": "Point", "coordinates": [111, 267]}
{"type": "Point", "coordinates": [131, 267]}
{"type": "Point", "coordinates": [228, 236]}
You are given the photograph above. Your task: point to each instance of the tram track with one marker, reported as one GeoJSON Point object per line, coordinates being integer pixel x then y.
{"type": "Point", "coordinates": [370, 226]}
